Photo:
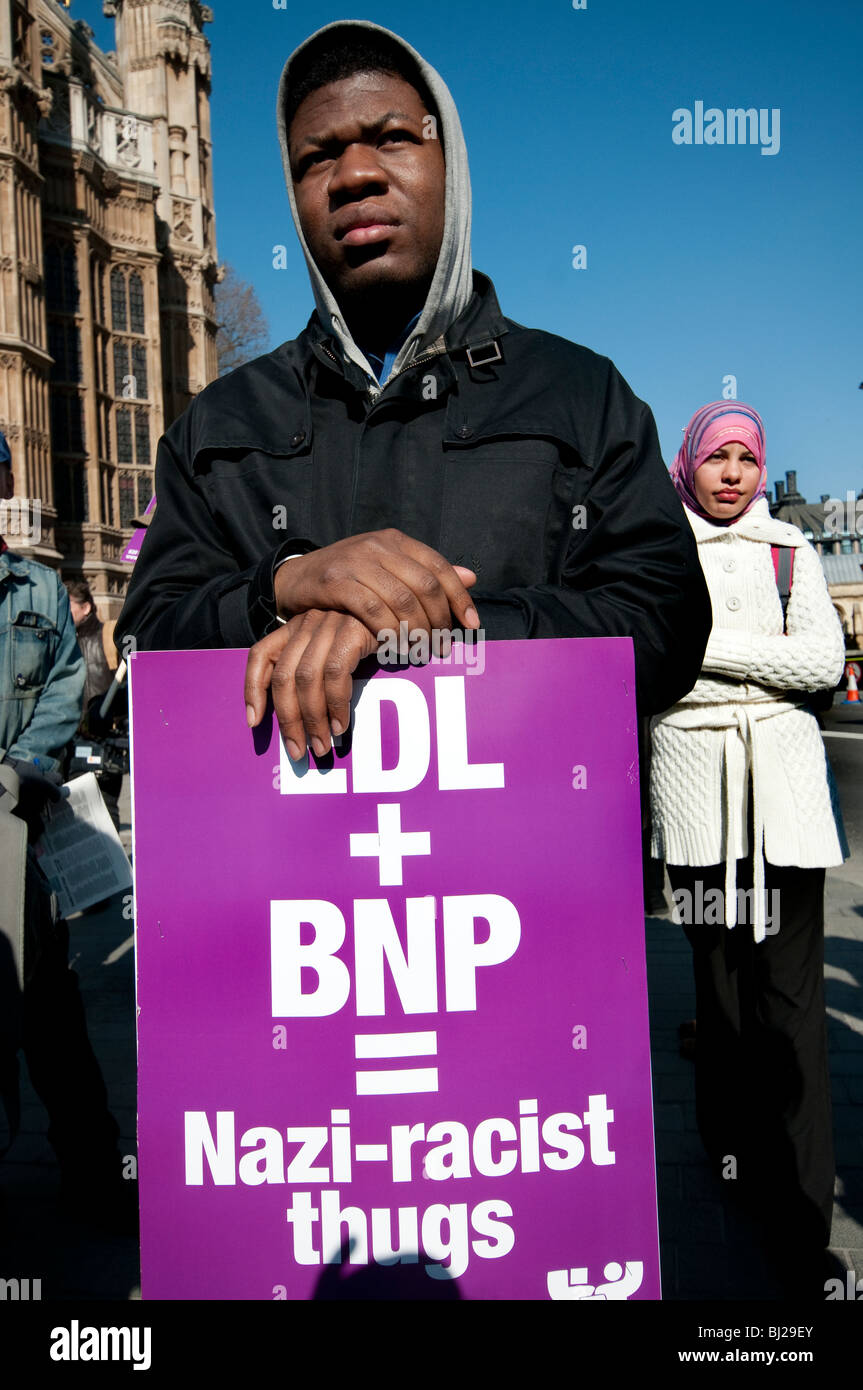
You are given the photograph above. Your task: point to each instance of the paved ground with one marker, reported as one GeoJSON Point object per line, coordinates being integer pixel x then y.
{"type": "Point", "coordinates": [708, 1250]}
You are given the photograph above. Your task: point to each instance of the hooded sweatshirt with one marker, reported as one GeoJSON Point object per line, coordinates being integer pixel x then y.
{"type": "Point", "coordinates": [452, 284]}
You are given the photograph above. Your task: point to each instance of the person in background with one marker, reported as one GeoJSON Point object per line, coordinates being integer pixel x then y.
{"type": "Point", "coordinates": [41, 687]}
{"type": "Point", "coordinates": [91, 639]}
{"type": "Point", "coordinates": [744, 815]}
{"type": "Point", "coordinates": [88, 630]}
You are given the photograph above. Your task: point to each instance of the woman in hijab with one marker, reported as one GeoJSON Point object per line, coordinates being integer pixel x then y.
{"type": "Point", "coordinates": [745, 816]}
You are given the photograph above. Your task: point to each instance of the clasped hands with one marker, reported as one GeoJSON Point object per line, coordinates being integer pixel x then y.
{"type": "Point", "coordinates": [336, 602]}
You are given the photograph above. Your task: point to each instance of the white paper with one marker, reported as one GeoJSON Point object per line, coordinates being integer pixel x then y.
{"type": "Point", "coordinates": [79, 851]}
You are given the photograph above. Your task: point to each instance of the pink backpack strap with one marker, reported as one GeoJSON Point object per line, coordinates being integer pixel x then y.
{"type": "Point", "coordinates": [783, 568]}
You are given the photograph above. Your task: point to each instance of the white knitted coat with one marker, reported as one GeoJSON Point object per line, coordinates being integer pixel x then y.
{"type": "Point", "coordinates": [742, 715]}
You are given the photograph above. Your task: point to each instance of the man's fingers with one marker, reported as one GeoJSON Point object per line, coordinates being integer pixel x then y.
{"type": "Point", "coordinates": [324, 676]}
{"type": "Point", "coordinates": [450, 579]}
{"type": "Point", "coordinates": [366, 596]}
{"type": "Point", "coordinates": [286, 703]}
{"type": "Point", "coordinates": [350, 644]}
{"type": "Point", "coordinates": [259, 670]}
{"type": "Point", "coordinates": [416, 593]}
{"type": "Point", "coordinates": [309, 684]}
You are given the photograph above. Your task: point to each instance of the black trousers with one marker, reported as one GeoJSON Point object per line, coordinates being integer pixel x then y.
{"type": "Point", "coordinates": [762, 1076]}
{"type": "Point", "coordinates": [63, 1068]}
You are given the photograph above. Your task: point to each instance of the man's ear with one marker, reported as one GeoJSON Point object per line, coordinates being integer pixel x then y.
{"type": "Point", "coordinates": [7, 483]}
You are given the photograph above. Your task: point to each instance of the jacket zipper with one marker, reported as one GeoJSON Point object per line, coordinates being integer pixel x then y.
{"type": "Point", "coordinates": [417, 362]}
{"type": "Point", "coordinates": [370, 392]}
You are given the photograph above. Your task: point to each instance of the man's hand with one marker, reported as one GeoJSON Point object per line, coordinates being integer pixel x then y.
{"type": "Point", "coordinates": [382, 578]}
{"type": "Point", "coordinates": [309, 664]}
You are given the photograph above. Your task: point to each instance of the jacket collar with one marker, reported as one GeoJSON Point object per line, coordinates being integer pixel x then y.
{"type": "Point", "coordinates": [480, 324]}
{"type": "Point", "coordinates": [756, 525]}
{"type": "Point", "coordinates": [10, 563]}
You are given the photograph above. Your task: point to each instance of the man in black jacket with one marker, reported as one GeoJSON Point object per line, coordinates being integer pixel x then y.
{"type": "Point", "coordinates": [413, 457]}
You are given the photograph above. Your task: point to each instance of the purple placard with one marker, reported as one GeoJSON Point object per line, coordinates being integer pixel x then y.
{"type": "Point", "coordinates": [133, 546]}
{"type": "Point", "coordinates": [471, 1116]}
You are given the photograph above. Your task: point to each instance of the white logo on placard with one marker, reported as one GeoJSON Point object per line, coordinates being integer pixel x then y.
{"type": "Point", "coordinates": [572, 1284]}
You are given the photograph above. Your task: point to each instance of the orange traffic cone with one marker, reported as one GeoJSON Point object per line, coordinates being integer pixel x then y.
{"type": "Point", "coordinates": [852, 693]}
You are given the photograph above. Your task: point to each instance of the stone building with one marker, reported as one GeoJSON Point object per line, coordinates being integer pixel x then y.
{"type": "Point", "coordinates": [107, 268]}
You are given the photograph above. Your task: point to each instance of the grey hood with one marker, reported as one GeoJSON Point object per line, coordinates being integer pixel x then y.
{"type": "Point", "coordinates": [452, 285]}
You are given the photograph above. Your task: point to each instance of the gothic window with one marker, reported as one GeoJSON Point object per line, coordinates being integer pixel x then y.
{"type": "Point", "coordinates": [139, 370]}
{"type": "Point", "coordinates": [131, 382]}
{"type": "Point", "coordinates": [127, 499]}
{"type": "Point", "coordinates": [47, 48]}
{"type": "Point", "coordinates": [142, 439]}
{"type": "Point", "coordinates": [145, 491]}
{"type": "Point", "coordinates": [121, 367]}
{"type": "Point", "coordinates": [119, 318]}
{"type": "Point", "coordinates": [124, 436]}
{"type": "Point", "coordinates": [136, 304]}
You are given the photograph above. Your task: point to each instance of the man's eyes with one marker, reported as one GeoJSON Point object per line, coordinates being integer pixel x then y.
{"type": "Point", "coordinates": [327, 153]}
{"type": "Point", "coordinates": [398, 135]}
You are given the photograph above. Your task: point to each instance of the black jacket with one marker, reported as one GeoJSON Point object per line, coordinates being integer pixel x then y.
{"type": "Point", "coordinates": [541, 471]}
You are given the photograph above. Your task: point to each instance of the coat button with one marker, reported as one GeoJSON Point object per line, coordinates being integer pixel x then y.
{"type": "Point", "coordinates": [297, 439]}
{"type": "Point", "coordinates": [729, 566]}
{"type": "Point", "coordinates": [732, 604]}
{"type": "Point", "coordinates": [464, 432]}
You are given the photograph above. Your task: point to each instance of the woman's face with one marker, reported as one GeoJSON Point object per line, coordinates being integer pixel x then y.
{"type": "Point", "coordinates": [726, 481]}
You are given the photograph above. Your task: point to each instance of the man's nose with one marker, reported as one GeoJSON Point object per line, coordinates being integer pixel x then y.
{"type": "Point", "coordinates": [356, 168]}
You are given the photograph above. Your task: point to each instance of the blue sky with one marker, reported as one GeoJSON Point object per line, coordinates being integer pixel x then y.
{"type": "Point", "coordinates": [703, 261]}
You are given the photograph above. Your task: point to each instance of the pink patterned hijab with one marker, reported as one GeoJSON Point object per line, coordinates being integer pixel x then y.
{"type": "Point", "coordinates": [713, 425]}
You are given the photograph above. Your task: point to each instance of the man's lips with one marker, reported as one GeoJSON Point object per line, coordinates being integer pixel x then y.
{"type": "Point", "coordinates": [360, 226]}
{"type": "Point", "coordinates": [364, 233]}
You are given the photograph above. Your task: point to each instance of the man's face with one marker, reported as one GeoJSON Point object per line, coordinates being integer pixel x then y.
{"type": "Point", "coordinates": [369, 186]}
